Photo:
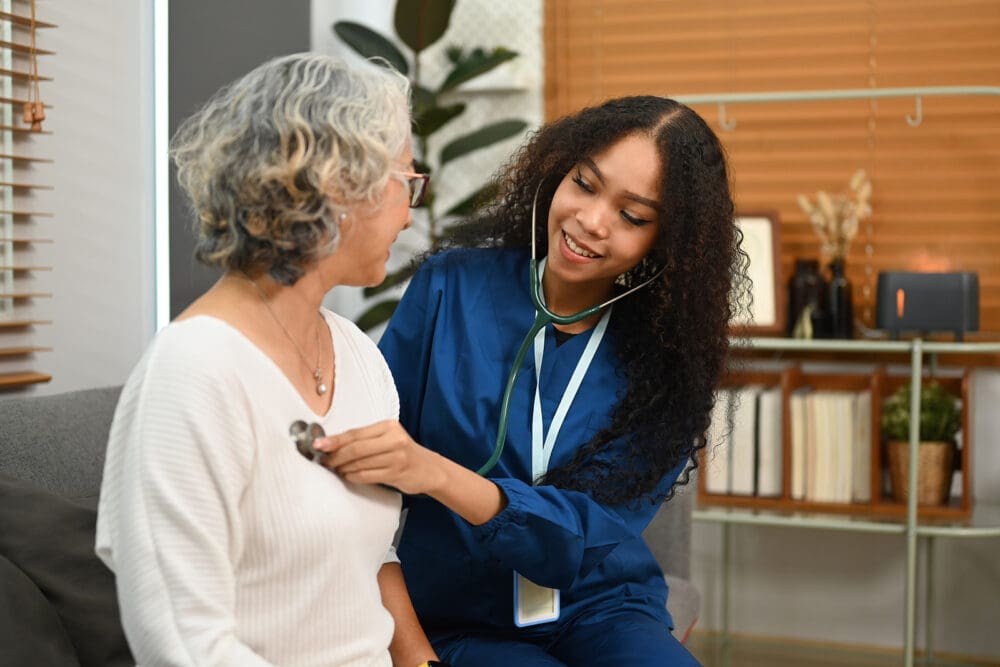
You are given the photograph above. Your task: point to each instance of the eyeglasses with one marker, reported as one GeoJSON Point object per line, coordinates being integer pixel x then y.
{"type": "Point", "coordinates": [418, 186]}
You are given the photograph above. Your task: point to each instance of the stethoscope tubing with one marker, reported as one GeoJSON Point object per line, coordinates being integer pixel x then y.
{"type": "Point", "coordinates": [543, 316]}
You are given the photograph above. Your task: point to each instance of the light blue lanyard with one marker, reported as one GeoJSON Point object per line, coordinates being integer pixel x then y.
{"type": "Point", "coordinates": [542, 444]}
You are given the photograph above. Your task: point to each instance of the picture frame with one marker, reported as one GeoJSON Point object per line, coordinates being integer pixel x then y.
{"type": "Point", "coordinates": [762, 244]}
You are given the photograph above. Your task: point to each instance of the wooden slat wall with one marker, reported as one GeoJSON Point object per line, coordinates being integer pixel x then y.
{"type": "Point", "coordinates": [936, 193]}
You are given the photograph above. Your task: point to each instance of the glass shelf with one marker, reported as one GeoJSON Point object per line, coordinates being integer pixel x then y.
{"type": "Point", "coordinates": [760, 517]}
{"type": "Point", "coordinates": [884, 346]}
{"type": "Point", "coordinates": [984, 522]}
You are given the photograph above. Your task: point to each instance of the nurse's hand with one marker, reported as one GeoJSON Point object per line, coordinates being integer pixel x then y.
{"type": "Point", "coordinates": [383, 453]}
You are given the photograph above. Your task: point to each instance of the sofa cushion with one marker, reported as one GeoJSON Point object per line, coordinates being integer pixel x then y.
{"type": "Point", "coordinates": [51, 540]}
{"type": "Point", "coordinates": [30, 630]}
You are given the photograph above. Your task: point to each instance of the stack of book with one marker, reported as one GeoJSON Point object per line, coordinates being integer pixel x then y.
{"type": "Point", "coordinates": [829, 440]}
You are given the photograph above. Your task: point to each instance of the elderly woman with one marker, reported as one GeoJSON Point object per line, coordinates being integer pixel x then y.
{"type": "Point", "coordinates": [229, 547]}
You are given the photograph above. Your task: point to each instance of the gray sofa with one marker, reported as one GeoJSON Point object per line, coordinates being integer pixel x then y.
{"type": "Point", "coordinates": [57, 600]}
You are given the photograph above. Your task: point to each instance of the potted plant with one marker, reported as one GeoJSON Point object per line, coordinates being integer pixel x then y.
{"type": "Point", "coordinates": [420, 24]}
{"type": "Point", "coordinates": [940, 422]}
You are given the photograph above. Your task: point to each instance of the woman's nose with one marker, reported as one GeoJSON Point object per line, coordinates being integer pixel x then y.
{"type": "Point", "coordinates": [593, 220]}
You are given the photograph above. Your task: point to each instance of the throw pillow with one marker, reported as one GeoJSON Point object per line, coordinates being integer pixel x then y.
{"type": "Point", "coordinates": [51, 540]}
{"type": "Point", "coordinates": [30, 630]}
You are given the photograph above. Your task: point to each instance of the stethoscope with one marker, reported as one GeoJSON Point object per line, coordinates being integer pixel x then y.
{"type": "Point", "coordinates": [543, 316]}
{"type": "Point", "coordinates": [304, 434]}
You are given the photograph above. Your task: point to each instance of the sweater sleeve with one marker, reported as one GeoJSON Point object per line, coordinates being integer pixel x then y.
{"type": "Point", "coordinates": [180, 455]}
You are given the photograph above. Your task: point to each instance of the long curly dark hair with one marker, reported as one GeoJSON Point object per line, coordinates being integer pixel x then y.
{"type": "Point", "coordinates": [672, 336]}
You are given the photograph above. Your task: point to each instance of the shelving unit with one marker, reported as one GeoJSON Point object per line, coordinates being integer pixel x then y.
{"type": "Point", "coordinates": [984, 521]}
{"type": "Point", "coordinates": [870, 498]}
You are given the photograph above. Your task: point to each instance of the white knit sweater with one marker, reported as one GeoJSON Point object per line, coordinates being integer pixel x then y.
{"type": "Point", "coordinates": [228, 546]}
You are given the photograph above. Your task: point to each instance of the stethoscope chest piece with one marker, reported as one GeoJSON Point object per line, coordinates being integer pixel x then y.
{"type": "Point", "coordinates": [303, 435]}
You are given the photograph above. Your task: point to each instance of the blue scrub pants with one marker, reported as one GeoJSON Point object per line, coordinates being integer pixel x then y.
{"type": "Point", "coordinates": [619, 639]}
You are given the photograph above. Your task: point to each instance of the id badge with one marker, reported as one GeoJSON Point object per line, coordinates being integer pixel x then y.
{"type": "Point", "coordinates": [534, 604]}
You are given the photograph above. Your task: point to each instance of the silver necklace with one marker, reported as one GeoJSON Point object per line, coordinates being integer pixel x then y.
{"type": "Point", "coordinates": [317, 372]}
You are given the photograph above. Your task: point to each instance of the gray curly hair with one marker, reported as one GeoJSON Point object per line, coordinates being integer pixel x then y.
{"type": "Point", "coordinates": [272, 160]}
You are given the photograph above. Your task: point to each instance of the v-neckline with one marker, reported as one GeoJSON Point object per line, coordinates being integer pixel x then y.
{"type": "Point", "coordinates": [331, 325]}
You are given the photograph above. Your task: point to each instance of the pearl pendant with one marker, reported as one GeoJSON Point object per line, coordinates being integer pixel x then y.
{"type": "Point", "coordinates": [320, 385]}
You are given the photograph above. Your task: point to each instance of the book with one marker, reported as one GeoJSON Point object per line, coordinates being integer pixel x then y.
{"type": "Point", "coordinates": [819, 447]}
{"type": "Point", "coordinates": [845, 424]}
{"type": "Point", "coordinates": [769, 440]}
{"type": "Point", "coordinates": [743, 441]}
{"type": "Point", "coordinates": [861, 482]}
{"type": "Point", "coordinates": [812, 463]}
{"type": "Point", "coordinates": [799, 436]}
{"type": "Point", "coordinates": [717, 449]}
{"type": "Point", "coordinates": [830, 446]}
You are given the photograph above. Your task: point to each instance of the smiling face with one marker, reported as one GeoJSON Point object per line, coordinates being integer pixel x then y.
{"type": "Point", "coordinates": [604, 217]}
{"type": "Point", "coordinates": [368, 231]}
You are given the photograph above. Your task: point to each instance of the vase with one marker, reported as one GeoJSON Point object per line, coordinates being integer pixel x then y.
{"type": "Point", "coordinates": [934, 471]}
{"type": "Point", "coordinates": [807, 291]}
{"type": "Point", "coordinates": [840, 305]}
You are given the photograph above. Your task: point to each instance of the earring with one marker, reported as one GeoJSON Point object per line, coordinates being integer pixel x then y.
{"type": "Point", "coordinates": [342, 216]}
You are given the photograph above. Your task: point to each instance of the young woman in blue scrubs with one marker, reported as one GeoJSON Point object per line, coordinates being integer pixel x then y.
{"type": "Point", "coordinates": [631, 190]}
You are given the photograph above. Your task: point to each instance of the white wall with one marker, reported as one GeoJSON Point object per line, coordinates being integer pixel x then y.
{"type": "Point", "coordinates": [101, 141]}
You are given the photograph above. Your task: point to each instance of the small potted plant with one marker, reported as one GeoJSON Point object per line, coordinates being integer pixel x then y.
{"type": "Point", "coordinates": [940, 422]}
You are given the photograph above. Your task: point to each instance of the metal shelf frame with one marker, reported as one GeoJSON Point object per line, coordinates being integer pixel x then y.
{"type": "Point", "coordinates": [910, 528]}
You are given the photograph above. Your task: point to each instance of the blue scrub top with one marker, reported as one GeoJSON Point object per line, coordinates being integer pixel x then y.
{"type": "Point", "coordinates": [450, 346]}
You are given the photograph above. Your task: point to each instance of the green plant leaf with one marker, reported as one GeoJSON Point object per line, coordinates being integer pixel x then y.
{"type": "Point", "coordinates": [472, 202]}
{"type": "Point", "coordinates": [377, 314]}
{"type": "Point", "coordinates": [391, 280]}
{"type": "Point", "coordinates": [475, 63]}
{"type": "Point", "coordinates": [422, 98]}
{"type": "Point", "coordinates": [433, 118]}
{"type": "Point", "coordinates": [940, 415]}
{"type": "Point", "coordinates": [481, 138]}
{"type": "Point", "coordinates": [420, 23]}
{"type": "Point", "coordinates": [370, 44]}
{"type": "Point", "coordinates": [453, 53]}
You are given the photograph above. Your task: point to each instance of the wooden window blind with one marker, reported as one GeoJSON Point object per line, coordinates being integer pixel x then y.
{"type": "Point", "coordinates": [936, 197]}
{"type": "Point", "coordinates": [24, 302]}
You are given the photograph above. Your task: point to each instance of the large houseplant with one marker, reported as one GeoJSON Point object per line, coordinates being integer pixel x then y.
{"type": "Point", "coordinates": [418, 25]}
{"type": "Point", "coordinates": [940, 422]}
